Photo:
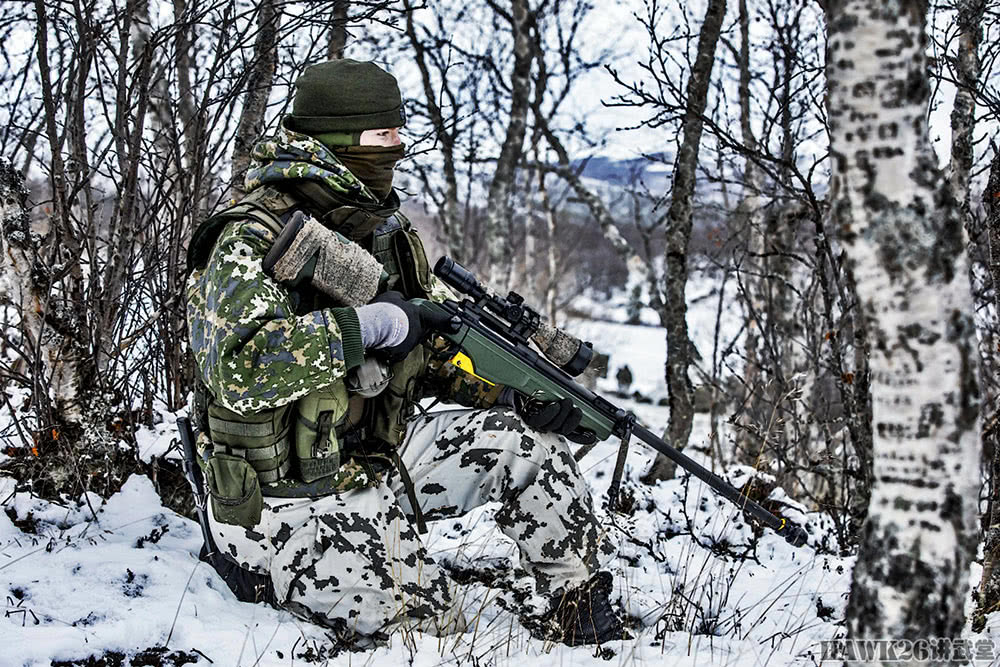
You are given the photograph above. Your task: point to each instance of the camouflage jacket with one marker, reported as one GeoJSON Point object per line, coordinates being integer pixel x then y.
{"type": "Point", "coordinates": [256, 345]}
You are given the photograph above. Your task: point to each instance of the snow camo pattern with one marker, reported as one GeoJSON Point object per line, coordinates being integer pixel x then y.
{"type": "Point", "coordinates": [355, 556]}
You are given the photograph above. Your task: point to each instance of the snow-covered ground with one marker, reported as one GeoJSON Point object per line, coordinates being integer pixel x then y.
{"type": "Point", "coordinates": [602, 321]}
{"type": "Point", "coordinates": [129, 580]}
{"type": "Point", "coordinates": [698, 586]}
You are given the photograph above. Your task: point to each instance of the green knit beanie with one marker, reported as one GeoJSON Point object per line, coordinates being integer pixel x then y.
{"type": "Point", "coordinates": [345, 96]}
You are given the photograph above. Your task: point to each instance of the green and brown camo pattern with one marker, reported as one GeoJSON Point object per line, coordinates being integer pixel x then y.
{"type": "Point", "coordinates": [299, 156]}
{"type": "Point", "coordinates": [252, 350]}
{"type": "Point", "coordinates": [444, 378]}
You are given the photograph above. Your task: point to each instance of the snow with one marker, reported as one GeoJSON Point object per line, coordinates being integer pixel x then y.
{"type": "Point", "coordinates": [131, 580]}
{"type": "Point", "coordinates": [160, 441]}
{"type": "Point", "coordinates": [697, 583]}
{"type": "Point", "coordinates": [602, 322]}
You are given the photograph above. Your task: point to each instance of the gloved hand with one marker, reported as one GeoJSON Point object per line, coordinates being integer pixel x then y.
{"type": "Point", "coordinates": [560, 417]}
{"type": "Point", "coordinates": [394, 326]}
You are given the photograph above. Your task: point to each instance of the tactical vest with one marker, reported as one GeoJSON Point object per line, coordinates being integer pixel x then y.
{"type": "Point", "coordinates": [297, 449]}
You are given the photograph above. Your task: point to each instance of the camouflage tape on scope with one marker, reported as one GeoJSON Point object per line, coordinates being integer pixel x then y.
{"type": "Point", "coordinates": [560, 347]}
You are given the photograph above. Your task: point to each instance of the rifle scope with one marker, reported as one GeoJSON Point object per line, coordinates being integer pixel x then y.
{"type": "Point", "coordinates": [459, 277]}
{"type": "Point", "coordinates": [564, 350]}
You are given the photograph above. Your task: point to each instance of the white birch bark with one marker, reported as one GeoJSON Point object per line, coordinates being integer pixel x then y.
{"type": "Point", "coordinates": [988, 595]}
{"type": "Point", "coordinates": [750, 209]}
{"type": "Point", "coordinates": [18, 248]}
{"type": "Point", "coordinates": [903, 234]}
{"type": "Point", "coordinates": [502, 187]}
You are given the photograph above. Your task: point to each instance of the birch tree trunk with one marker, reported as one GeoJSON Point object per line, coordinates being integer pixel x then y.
{"type": "Point", "coordinates": [963, 115]}
{"type": "Point", "coordinates": [446, 133]}
{"type": "Point", "coordinates": [903, 234]}
{"type": "Point", "coordinates": [259, 85]}
{"type": "Point", "coordinates": [750, 211]}
{"type": "Point", "coordinates": [20, 258]}
{"type": "Point", "coordinates": [674, 305]}
{"type": "Point", "coordinates": [991, 202]}
{"type": "Point", "coordinates": [551, 285]}
{"type": "Point", "coordinates": [338, 30]}
{"type": "Point", "coordinates": [48, 459]}
{"type": "Point", "coordinates": [66, 369]}
{"type": "Point", "coordinates": [188, 200]}
{"type": "Point", "coordinates": [988, 595]}
{"type": "Point", "coordinates": [498, 207]}
{"type": "Point", "coordinates": [963, 119]}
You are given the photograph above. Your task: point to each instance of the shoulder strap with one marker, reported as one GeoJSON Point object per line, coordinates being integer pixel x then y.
{"type": "Point", "coordinates": [208, 232]}
{"type": "Point", "coordinates": [404, 222]}
{"type": "Point", "coordinates": [342, 212]}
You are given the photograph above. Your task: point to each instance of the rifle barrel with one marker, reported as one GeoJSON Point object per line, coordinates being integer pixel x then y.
{"type": "Point", "coordinates": [607, 418]}
{"type": "Point", "coordinates": [721, 486]}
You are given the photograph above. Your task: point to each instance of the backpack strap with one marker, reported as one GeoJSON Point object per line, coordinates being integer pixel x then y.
{"type": "Point", "coordinates": [208, 232]}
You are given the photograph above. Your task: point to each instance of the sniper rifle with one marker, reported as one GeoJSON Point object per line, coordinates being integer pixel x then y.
{"type": "Point", "coordinates": [491, 342]}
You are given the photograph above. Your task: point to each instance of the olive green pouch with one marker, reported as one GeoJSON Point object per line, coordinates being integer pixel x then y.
{"type": "Point", "coordinates": [234, 490]}
{"type": "Point", "coordinates": [412, 261]}
{"type": "Point", "coordinates": [392, 407]}
{"type": "Point", "coordinates": [316, 445]}
{"type": "Point", "coordinates": [262, 438]}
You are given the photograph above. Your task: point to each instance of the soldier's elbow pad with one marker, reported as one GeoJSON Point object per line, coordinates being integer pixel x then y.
{"type": "Point", "coordinates": [305, 250]}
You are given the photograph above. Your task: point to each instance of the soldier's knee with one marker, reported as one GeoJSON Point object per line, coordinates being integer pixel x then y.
{"type": "Point", "coordinates": [501, 419]}
{"type": "Point", "coordinates": [507, 431]}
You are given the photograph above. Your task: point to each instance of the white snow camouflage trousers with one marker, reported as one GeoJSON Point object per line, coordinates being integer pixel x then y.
{"type": "Point", "coordinates": [357, 555]}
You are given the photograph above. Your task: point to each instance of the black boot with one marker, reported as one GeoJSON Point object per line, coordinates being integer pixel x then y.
{"type": "Point", "coordinates": [585, 614]}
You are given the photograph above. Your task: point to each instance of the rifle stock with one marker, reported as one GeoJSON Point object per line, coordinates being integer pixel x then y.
{"type": "Point", "coordinates": [192, 472]}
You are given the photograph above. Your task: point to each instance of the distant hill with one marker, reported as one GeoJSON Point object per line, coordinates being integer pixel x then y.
{"type": "Point", "coordinates": [622, 172]}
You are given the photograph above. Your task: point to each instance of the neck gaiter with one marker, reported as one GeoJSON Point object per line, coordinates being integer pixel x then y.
{"type": "Point", "coordinates": [373, 165]}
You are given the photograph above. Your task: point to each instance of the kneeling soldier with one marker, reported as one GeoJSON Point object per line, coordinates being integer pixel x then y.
{"type": "Point", "coordinates": [310, 365]}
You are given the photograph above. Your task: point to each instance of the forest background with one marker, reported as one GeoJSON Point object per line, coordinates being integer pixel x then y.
{"type": "Point", "coordinates": [831, 184]}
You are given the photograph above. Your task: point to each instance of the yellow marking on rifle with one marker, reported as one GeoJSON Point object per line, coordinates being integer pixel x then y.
{"type": "Point", "coordinates": [464, 363]}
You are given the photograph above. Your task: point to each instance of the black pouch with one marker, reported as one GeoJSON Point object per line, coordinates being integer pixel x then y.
{"type": "Point", "coordinates": [234, 490]}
